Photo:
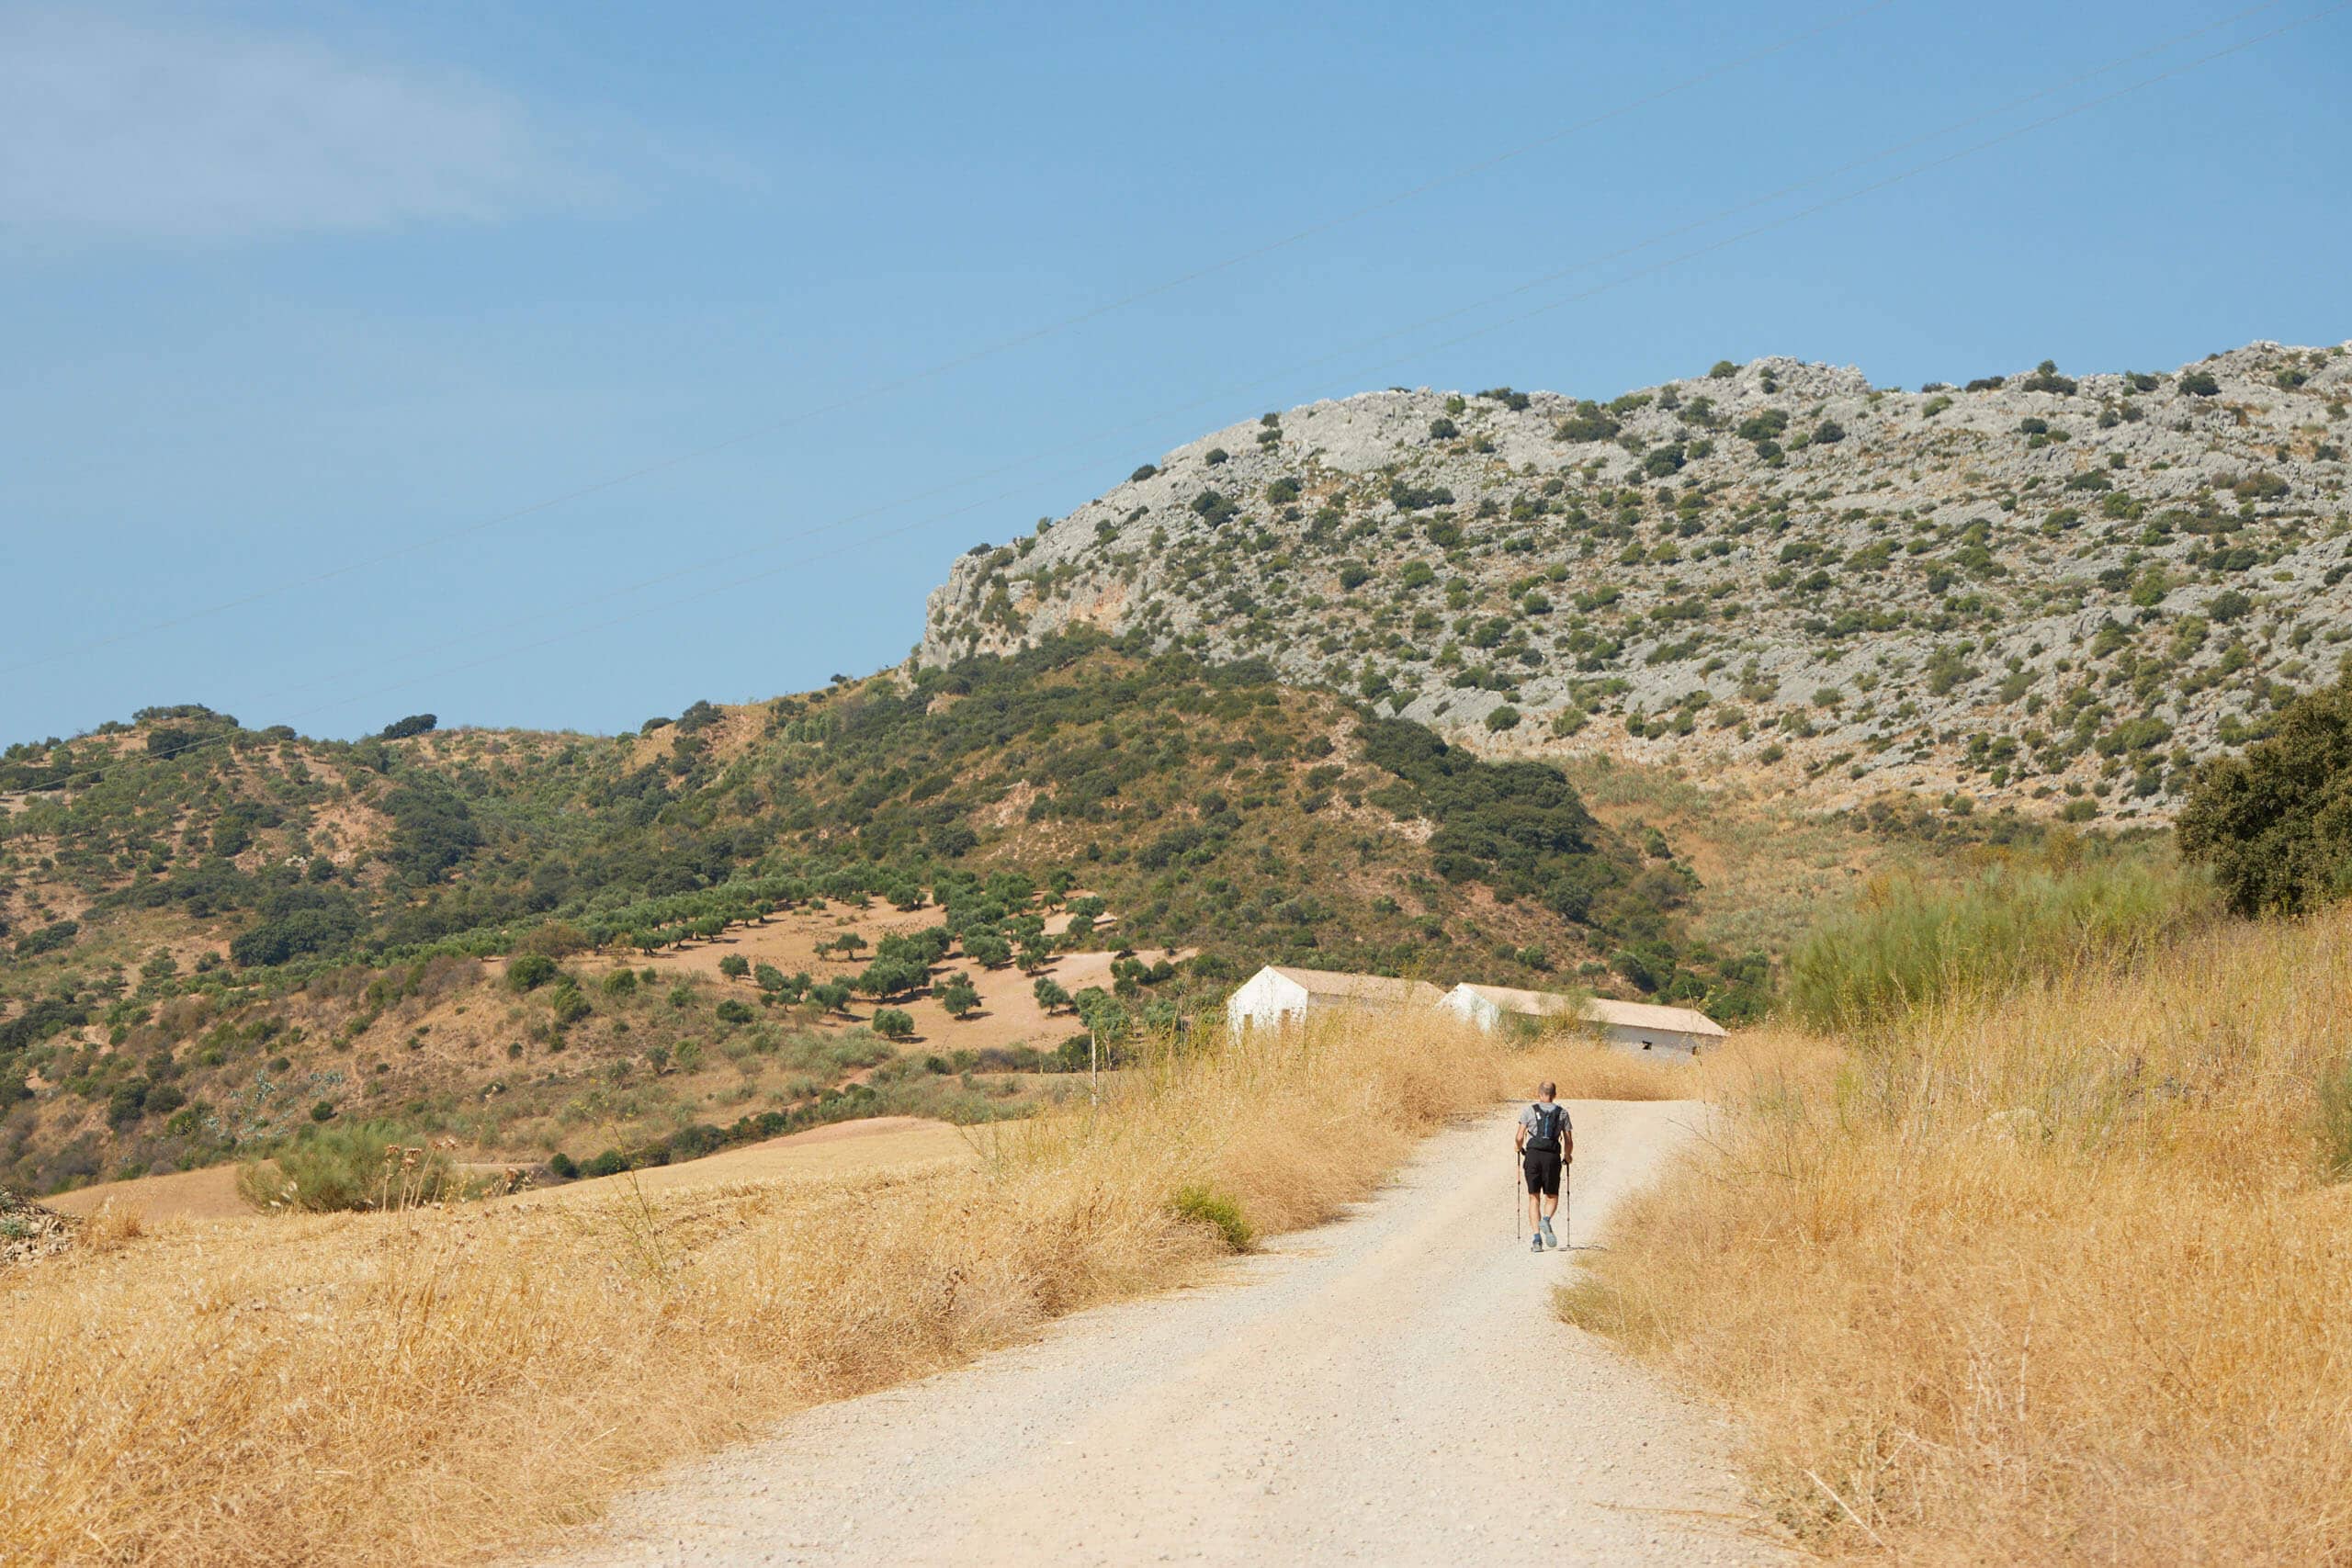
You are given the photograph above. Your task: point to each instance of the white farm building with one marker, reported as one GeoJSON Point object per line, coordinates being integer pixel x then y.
{"type": "Point", "coordinates": [1635, 1026]}
{"type": "Point", "coordinates": [1278, 993]}
{"type": "Point", "coordinates": [1644, 1026]}
{"type": "Point", "coordinates": [1487, 1005]}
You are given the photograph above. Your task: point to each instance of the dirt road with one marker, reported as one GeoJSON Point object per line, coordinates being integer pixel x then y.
{"type": "Point", "coordinates": [1392, 1387]}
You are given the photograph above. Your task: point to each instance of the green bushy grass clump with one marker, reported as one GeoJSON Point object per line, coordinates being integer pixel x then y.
{"type": "Point", "coordinates": [371, 1165]}
{"type": "Point", "coordinates": [1202, 1205]}
{"type": "Point", "coordinates": [1911, 943]}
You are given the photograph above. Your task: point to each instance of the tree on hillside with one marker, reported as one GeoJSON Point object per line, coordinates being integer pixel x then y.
{"type": "Point", "coordinates": [1049, 994]}
{"type": "Point", "coordinates": [988, 948]}
{"type": "Point", "coordinates": [734, 967]}
{"type": "Point", "coordinates": [960, 997]}
{"type": "Point", "coordinates": [2275, 822]}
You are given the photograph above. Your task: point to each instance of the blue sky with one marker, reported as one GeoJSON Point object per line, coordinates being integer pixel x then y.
{"type": "Point", "coordinates": [336, 309]}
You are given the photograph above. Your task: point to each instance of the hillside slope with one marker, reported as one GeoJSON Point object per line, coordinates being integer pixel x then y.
{"type": "Point", "coordinates": [2037, 589]}
{"type": "Point", "coordinates": [744, 920]}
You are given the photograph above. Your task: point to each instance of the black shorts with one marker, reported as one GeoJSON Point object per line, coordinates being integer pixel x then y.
{"type": "Point", "coordinates": [1543, 1172]}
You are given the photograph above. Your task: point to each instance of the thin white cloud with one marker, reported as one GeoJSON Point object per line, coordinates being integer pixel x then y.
{"type": "Point", "coordinates": [112, 128]}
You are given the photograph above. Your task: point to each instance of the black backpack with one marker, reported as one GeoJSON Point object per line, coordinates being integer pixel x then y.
{"type": "Point", "coordinates": [1546, 1136]}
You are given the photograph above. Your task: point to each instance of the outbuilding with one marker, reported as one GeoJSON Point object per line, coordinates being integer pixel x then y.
{"type": "Point", "coordinates": [1635, 1026]}
{"type": "Point", "coordinates": [1644, 1026]}
{"type": "Point", "coordinates": [1278, 993]}
{"type": "Point", "coordinates": [1489, 1005]}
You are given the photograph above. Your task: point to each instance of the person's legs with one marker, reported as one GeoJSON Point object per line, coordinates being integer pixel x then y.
{"type": "Point", "coordinates": [1543, 1195]}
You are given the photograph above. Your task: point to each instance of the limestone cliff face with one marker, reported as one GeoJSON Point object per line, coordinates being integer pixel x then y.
{"type": "Point", "coordinates": [2041, 587]}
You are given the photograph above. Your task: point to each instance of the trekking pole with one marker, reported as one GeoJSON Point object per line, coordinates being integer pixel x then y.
{"type": "Point", "coordinates": [1514, 1198]}
{"type": "Point", "coordinates": [1568, 1206]}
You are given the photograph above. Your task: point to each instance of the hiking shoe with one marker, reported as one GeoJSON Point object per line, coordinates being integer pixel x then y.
{"type": "Point", "coordinates": [1535, 1242]}
{"type": "Point", "coordinates": [1543, 1232]}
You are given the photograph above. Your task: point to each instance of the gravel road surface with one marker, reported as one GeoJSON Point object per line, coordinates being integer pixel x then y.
{"type": "Point", "coordinates": [1390, 1388]}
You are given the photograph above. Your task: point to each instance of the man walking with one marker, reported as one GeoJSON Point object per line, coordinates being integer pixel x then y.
{"type": "Point", "coordinates": [1545, 1142]}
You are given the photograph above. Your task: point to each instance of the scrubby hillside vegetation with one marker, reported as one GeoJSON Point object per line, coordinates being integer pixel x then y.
{"type": "Point", "coordinates": [902, 894]}
{"type": "Point", "coordinates": [2044, 588]}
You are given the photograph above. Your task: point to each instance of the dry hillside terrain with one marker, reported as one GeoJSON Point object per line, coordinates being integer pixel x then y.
{"type": "Point", "coordinates": [2048, 589]}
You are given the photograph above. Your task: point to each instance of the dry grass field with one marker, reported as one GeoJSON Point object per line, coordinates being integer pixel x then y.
{"type": "Point", "coordinates": [842, 1148]}
{"type": "Point", "coordinates": [838, 1149]}
{"type": "Point", "coordinates": [441, 1385]}
{"type": "Point", "coordinates": [2056, 1275]}
{"type": "Point", "coordinates": [210, 1193]}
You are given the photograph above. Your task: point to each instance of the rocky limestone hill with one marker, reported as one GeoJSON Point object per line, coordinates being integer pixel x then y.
{"type": "Point", "coordinates": [2038, 588]}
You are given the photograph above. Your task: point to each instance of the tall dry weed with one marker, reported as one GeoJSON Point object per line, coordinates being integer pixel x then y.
{"type": "Point", "coordinates": [2052, 1278]}
{"type": "Point", "coordinates": [442, 1385]}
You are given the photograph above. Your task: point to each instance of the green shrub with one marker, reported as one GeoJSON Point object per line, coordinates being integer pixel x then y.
{"type": "Point", "coordinates": [569, 1005]}
{"type": "Point", "coordinates": [894, 1023]}
{"type": "Point", "coordinates": [373, 1165]}
{"type": "Point", "coordinates": [1202, 1205]}
{"type": "Point", "coordinates": [530, 970]}
{"type": "Point", "coordinates": [1502, 716]}
{"type": "Point", "coordinates": [2275, 822]}
{"type": "Point", "coordinates": [1911, 945]}
{"type": "Point", "coordinates": [621, 982]}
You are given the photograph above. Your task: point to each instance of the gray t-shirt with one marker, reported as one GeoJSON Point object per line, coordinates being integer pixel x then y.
{"type": "Point", "coordinates": [1529, 1117]}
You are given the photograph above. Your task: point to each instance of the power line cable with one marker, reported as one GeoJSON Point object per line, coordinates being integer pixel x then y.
{"type": "Point", "coordinates": [972, 356]}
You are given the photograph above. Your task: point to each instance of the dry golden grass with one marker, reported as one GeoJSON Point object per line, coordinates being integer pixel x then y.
{"type": "Point", "coordinates": [2052, 1278]}
{"type": "Point", "coordinates": [210, 1193]}
{"type": "Point", "coordinates": [110, 1227]}
{"type": "Point", "coordinates": [441, 1386]}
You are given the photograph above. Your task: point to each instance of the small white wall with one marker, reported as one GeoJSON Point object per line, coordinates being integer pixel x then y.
{"type": "Point", "coordinates": [1655, 1042]}
{"type": "Point", "coordinates": [1266, 1001]}
{"type": "Point", "coordinates": [1468, 1005]}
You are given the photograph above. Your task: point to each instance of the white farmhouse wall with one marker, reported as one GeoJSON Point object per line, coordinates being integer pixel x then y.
{"type": "Point", "coordinates": [1266, 1001]}
{"type": "Point", "coordinates": [1652, 1040]}
{"type": "Point", "coordinates": [1472, 1007]}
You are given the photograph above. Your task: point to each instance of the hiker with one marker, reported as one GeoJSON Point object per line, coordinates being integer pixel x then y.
{"type": "Point", "coordinates": [1544, 1140]}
